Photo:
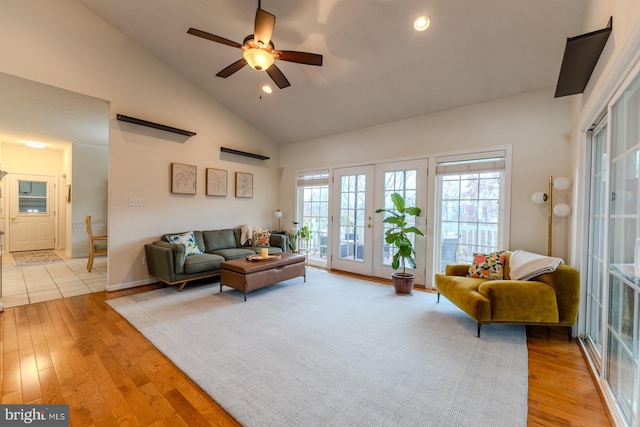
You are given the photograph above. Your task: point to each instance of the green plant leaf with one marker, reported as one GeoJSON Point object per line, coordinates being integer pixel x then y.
{"type": "Point", "coordinates": [413, 211]}
{"type": "Point", "coordinates": [413, 230]}
{"type": "Point", "coordinates": [395, 263]}
{"type": "Point", "coordinates": [398, 202]}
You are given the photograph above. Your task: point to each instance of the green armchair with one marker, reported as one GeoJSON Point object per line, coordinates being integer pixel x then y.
{"type": "Point", "coordinates": [551, 299]}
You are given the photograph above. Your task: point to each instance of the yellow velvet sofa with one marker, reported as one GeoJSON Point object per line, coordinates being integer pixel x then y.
{"type": "Point", "coordinates": [550, 299]}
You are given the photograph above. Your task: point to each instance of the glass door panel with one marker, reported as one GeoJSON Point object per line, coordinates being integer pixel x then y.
{"type": "Point", "coordinates": [624, 242]}
{"type": "Point", "coordinates": [353, 219]}
{"type": "Point", "coordinates": [595, 261]}
{"type": "Point", "coordinates": [407, 178]}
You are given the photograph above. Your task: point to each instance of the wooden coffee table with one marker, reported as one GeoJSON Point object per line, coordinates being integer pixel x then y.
{"type": "Point", "coordinates": [246, 276]}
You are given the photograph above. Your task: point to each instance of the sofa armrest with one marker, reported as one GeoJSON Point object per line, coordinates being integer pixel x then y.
{"type": "Point", "coordinates": [160, 262]}
{"type": "Point", "coordinates": [520, 301]}
{"type": "Point", "coordinates": [566, 283]}
{"type": "Point", "coordinates": [457, 269]}
{"type": "Point", "coordinates": [279, 241]}
{"type": "Point", "coordinates": [179, 255]}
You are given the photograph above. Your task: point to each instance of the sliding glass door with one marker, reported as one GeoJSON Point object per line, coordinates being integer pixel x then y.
{"type": "Point", "coordinates": [613, 261]}
{"type": "Point", "coordinates": [624, 251]}
{"type": "Point", "coordinates": [596, 246]}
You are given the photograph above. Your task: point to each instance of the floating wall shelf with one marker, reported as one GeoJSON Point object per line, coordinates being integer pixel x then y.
{"type": "Point", "coordinates": [243, 153]}
{"type": "Point", "coordinates": [580, 58]}
{"type": "Point", "coordinates": [141, 122]}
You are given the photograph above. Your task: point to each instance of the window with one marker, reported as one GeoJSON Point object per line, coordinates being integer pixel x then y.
{"type": "Point", "coordinates": [32, 197]}
{"type": "Point", "coordinates": [471, 202]}
{"type": "Point", "coordinates": [313, 199]}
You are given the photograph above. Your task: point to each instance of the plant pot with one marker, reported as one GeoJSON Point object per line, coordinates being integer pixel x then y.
{"type": "Point", "coordinates": [403, 283]}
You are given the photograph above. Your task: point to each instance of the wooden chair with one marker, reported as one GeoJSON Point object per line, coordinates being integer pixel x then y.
{"type": "Point", "coordinates": [93, 251]}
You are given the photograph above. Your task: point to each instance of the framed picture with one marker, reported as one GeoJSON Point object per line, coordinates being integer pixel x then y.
{"type": "Point", "coordinates": [183, 178]}
{"type": "Point", "coordinates": [244, 185]}
{"type": "Point", "coordinates": [216, 182]}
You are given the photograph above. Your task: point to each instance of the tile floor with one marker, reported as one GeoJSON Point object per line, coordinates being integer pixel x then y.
{"type": "Point", "coordinates": [38, 283]}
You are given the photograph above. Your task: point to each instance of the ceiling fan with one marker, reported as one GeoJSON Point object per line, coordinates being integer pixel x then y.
{"type": "Point", "coordinates": [259, 52]}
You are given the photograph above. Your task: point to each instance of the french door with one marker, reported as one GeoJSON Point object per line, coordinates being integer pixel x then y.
{"type": "Point", "coordinates": [358, 232]}
{"type": "Point", "coordinates": [353, 219]}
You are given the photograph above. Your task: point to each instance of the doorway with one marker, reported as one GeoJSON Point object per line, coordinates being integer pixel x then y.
{"type": "Point", "coordinates": [358, 232]}
{"type": "Point", "coordinates": [31, 213]}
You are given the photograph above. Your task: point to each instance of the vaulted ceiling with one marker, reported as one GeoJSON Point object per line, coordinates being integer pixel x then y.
{"type": "Point", "coordinates": [376, 69]}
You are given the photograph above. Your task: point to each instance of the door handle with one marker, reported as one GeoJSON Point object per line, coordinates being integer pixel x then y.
{"type": "Point", "coordinates": [369, 225]}
{"type": "Point", "coordinates": [13, 218]}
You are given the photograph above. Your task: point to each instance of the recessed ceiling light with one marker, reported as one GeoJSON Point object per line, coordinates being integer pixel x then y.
{"type": "Point", "coordinates": [35, 144]}
{"type": "Point", "coordinates": [267, 89]}
{"type": "Point", "coordinates": [422, 23]}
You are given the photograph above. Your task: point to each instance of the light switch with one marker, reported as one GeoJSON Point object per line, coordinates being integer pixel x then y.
{"type": "Point", "coordinates": [135, 202]}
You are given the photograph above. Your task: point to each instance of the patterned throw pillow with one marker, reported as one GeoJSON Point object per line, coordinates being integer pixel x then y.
{"type": "Point", "coordinates": [487, 266]}
{"type": "Point", "coordinates": [261, 238]}
{"type": "Point", "coordinates": [188, 240]}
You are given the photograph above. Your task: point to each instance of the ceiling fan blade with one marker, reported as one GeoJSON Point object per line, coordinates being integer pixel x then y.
{"type": "Point", "coordinates": [299, 57]}
{"type": "Point", "coordinates": [265, 22]}
{"type": "Point", "coordinates": [277, 77]}
{"type": "Point", "coordinates": [232, 68]}
{"type": "Point", "coordinates": [213, 38]}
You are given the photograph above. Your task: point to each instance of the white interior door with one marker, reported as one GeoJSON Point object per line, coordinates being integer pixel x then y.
{"type": "Point", "coordinates": [352, 219]}
{"type": "Point", "coordinates": [31, 213]}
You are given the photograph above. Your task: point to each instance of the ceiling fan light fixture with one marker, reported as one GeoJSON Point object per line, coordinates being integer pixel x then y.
{"type": "Point", "coordinates": [421, 23]}
{"type": "Point", "coordinates": [267, 89]}
{"type": "Point", "coordinates": [258, 59]}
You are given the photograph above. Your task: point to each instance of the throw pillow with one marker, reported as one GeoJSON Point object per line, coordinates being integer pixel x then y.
{"type": "Point", "coordinates": [487, 266]}
{"type": "Point", "coordinates": [261, 238]}
{"type": "Point", "coordinates": [188, 240]}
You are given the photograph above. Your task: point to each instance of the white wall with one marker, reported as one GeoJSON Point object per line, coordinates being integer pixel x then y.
{"type": "Point", "coordinates": [535, 124]}
{"type": "Point", "coordinates": [618, 57]}
{"type": "Point", "coordinates": [70, 47]}
{"type": "Point", "coordinates": [89, 194]}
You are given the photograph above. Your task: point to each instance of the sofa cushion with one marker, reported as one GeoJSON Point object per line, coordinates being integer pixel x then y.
{"type": "Point", "coordinates": [234, 253]}
{"type": "Point", "coordinates": [187, 239]}
{"type": "Point", "coordinates": [261, 238]}
{"type": "Point", "coordinates": [487, 266]}
{"type": "Point", "coordinates": [218, 239]}
{"type": "Point", "coordinates": [202, 262]}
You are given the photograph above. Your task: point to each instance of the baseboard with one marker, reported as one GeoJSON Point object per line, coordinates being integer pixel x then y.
{"type": "Point", "coordinates": [129, 285]}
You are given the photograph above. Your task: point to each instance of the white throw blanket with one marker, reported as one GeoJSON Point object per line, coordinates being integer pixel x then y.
{"type": "Point", "coordinates": [246, 233]}
{"type": "Point", "coordinates": [525, 265]}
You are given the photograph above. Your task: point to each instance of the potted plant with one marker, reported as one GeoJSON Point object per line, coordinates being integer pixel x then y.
{"type": "Point", "coordinates": [305, 232]}
{"type": "Point", "coordinates": [398, 235]}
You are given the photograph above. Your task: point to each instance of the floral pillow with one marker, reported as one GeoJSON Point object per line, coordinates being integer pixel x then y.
{"type": "Point", "coordinates": [487, 266]}
{"type": "Point", "coordinates": [188, 240]}
{"type": "Point", "coordinates": [262, 238]}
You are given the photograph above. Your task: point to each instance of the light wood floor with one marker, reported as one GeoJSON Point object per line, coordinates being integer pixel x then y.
{"type": "Point", "coordinates": [80, 352]}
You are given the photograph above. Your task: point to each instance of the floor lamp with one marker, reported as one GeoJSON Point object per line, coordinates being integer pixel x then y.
{"type": "Point", "coordinates": [561, 209]}
{"type": "Point", "coordinates": [278, 215]}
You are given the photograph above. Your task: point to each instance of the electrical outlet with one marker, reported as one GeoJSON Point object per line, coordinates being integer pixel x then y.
{"type": "Point", "coordinates": [135, 202]}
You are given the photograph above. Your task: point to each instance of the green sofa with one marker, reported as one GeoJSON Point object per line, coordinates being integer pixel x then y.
{"type": "Point", "coordinates": [551, 299]}
{"type": "Point", "coordinates": [167, 262]}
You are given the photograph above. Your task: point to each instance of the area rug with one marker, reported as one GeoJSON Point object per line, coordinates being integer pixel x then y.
{"type": "Point", "coordinates": [24, 259]}
{"type": "Point", "coordinates": [337, 351]}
